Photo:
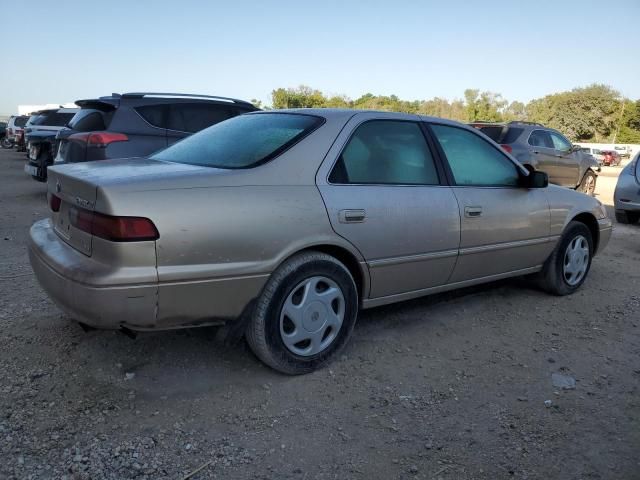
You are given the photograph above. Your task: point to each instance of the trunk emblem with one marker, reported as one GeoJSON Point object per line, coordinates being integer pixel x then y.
{"type": "Point", "coordinates": [84, 203]}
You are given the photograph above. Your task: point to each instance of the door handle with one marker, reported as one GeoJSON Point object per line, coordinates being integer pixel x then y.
{"type": "Point", "coordinates": [472, 212]}
{"type": "Point", "coordinates": [536, 151]}
{"type": "Point", "coordinates": [352, 216]}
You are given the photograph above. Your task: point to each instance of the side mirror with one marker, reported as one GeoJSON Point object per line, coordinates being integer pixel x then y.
{"type": "Point", "coordinates": [537, 179]}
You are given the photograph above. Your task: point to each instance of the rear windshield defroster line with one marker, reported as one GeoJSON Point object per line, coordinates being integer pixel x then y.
{"type": "Point", "coordinates": [245, 141]}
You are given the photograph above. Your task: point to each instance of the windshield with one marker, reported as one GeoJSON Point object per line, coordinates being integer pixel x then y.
{"type": "Point", "coordinates": [242, 142]}
{"type": "Point", "coordinates": [20, 121]}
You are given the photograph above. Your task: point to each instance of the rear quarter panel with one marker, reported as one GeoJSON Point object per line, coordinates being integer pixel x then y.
{"type": "Point", "coordinates": [218, 245]}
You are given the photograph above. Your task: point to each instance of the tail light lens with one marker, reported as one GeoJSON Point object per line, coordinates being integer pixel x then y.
{"type": "Point", "coordinates": [507, 148]}
{"type": "Point", "coordinates": [98, 139]}
{"type": "Point", "coordinates": [54, 203]}
{"type": "Point", "coordinates": [115, 229]}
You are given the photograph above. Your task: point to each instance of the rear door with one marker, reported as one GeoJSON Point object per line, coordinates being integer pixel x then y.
{"type": "Point", "coordinates": [504, 227]}
{"type": "Point", "coordinates": [386, 194]}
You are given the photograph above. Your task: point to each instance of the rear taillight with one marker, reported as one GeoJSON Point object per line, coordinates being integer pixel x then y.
{"type": "Point", "coordinates": [98, 139]}
{"type": "Point", "coordinates": [116, 229]}
{"type": "Point", "coordinates": [54, 203]}
{"type": "Point", "coordinates": [10, 131]}
{"type": "Point", "coordinates": [507, 148]}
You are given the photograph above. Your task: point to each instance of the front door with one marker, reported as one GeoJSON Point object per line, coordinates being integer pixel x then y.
{"type": "Point", "coordinates": [386, 195]}
{"type": "Point", "coordinates": [504, 227]}
{"type": "Point", "coordinates": [545, 155]}
{"type": "Point", "coordinates": [569, 163]}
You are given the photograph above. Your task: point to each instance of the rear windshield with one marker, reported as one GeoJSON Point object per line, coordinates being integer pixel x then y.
{"type": "Point", "coordinates": [89, 120]}
{"type": "Point", "coordinates": [242, 142]}
{"type": "Point", "coordinates": [501, 134]}
{"type": "Point", "coordinates": [20, 121]}
{"type": "Point", "coordinates": [34, 120]}
{"type": "Point", "coordinates": [55, 119]}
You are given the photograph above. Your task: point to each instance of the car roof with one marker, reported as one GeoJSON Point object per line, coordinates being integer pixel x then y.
{"type": "Point", "coordinates": [115, 99]}
{"type": "Point", "coordinates": [341, 113]}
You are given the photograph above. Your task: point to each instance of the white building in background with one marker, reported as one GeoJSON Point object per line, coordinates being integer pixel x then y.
{"type": "Point", "coordinates": [27, 109]}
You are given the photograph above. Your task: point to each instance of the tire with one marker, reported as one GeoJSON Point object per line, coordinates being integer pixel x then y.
{"type": "Point", "coordinates": [588, 183]}
{"type": "Point", "coordinates": [622, 216]}
{"type": "Point", "coordinates": [303, 279]}
{"type": "Point", "coordinates": [6, 143]}
{"type": "Point", "coordinates": [554, 278]}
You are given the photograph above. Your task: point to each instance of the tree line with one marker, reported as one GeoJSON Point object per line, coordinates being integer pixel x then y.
{"type": "Point", "coordinates": [596, 113]}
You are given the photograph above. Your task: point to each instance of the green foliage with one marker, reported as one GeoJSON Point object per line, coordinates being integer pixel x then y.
{"type": "Point", "coordinates": [630, 123]}
{"type": "Point", "coordinates": [589, 113]}
{"type": "Point", "coordinates": [592, 113]}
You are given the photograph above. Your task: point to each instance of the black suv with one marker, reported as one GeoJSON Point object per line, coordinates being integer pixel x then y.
{"type": "Point", "coordinates": [139, 124]}
{"type": "Point", "coordinates": [545, 149]}
{"type": "Point", "coordinates": [39, 134]}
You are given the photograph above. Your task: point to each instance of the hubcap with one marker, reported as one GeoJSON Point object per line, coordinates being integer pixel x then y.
{"type": "Point", "coordinates": [576, 260]}
{"type": "Point", "coordinates": [589, 184]}
{"type": "Point", "coordinates": [311, 316]}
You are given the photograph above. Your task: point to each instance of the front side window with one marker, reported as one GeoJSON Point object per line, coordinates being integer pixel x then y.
{"type": "Point", "coordinates": [560, 143]}
{"type": "Point", "coordinates": [473, 160]}
{"type": "Point", "coordinates": [244, 141]}
{"type": "Point", "coordinates": [540, 138]}
{"type": "Point", "coordinates": [386, 152]}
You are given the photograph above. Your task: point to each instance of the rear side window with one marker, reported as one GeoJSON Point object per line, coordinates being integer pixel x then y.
{"type": "Point", "coordinates": [386, 152]}
{"type": "Point", "coordinates": [244, 141]}
{"type": "Point", "coordinates": [540, 138]}
{"type": "Point", "coordinates": [193, 117]}
{"type": "Point", "coordinates": [154, 114]}
{"type": "Point", "coordinates": [89, 120]}
{"type": "Point", "coordinates": [473, 160]}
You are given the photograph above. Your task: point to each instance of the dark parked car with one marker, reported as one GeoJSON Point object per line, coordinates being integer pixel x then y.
{"type": "Point", "coordinates": [545, 149]}
{"type": "Point", "coordinates": [3, 129]}
{"type": "Point", "coordinates": [139, 124]}
{"type": "Point", "coordinates": [40, 137]}
{"type": "Point", "coordinates": [611, 158]}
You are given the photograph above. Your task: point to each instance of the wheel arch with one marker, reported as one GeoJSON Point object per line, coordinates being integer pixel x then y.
{"type": "Point", "coordinates": [357, 268]}
{"type": "Point", "coordinates": [592, 224]}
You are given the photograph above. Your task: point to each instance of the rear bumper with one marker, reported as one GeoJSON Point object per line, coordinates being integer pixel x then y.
{"type": "Point", "coordinates": [105, 297]}
{"type": "Point", "coordinates": [72, 281]}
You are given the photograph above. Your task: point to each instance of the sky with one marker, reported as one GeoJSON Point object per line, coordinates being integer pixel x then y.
{"type": "Point", "coordinates": [61, 51]}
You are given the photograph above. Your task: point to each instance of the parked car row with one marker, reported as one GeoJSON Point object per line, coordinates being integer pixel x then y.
{"type": "Point", "coordinates": [282, 225]}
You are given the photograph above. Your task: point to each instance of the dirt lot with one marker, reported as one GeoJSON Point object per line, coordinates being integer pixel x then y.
{"type": "Point", "coordinates": [454, 386]}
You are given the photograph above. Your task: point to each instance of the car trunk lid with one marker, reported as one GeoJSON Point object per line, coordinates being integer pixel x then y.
{"type": "Point", "coordinates": [83, 189]}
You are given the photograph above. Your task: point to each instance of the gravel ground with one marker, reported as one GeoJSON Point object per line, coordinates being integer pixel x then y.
{"type": "Point", "coordinates": [453, 386]}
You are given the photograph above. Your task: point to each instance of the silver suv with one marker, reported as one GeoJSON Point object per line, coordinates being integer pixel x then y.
{"type": "Point", "coordinates": [545, 149]}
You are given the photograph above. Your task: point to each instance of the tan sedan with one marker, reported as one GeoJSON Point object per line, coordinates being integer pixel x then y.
{"type": "Point", "coordinates": [284, 224]}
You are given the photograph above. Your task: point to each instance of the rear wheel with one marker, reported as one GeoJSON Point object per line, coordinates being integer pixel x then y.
{"type": "Point", "coordinates": [567, 267]}
{"type": "Point", "coordinates": [588, 184]}
{"type": "Point", "coordinates": [305, 314]}
{"type": "Point", "coordinates": [6, 143]}
{"type": "Point", "coordinates": [622, 216]}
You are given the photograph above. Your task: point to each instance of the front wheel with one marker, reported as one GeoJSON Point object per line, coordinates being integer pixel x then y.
{"type": "Point", "coordinates": [588, 184]}
{"type": "Point", "coordinates": [6, 143]}
{"type": "Point", "coordinates": [305, 314]}
{"type": "Point", "coordinates": [567, 267]}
